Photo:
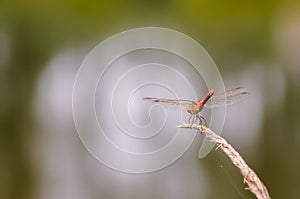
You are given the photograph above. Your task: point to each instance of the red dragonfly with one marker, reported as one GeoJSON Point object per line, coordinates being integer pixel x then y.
{"type": "Point", "coordinates": [210, 100]}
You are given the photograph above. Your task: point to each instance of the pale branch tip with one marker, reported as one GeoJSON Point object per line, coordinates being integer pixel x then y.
{"type": "Point", "coordinates": [254, 183]}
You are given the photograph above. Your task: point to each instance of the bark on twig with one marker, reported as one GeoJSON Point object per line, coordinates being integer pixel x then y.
{"type": "Point", "coordinates": [250, 177]}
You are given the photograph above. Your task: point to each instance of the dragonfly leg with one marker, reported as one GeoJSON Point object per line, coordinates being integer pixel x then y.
{"type": "Point", "coordinates": [190, 118]}
{"type": "Point", "coordinates": [200, 121]}
{"type": "Point", "coordinates": [202, 118]}
{"type": "Point", "coordinates": [193, 119]}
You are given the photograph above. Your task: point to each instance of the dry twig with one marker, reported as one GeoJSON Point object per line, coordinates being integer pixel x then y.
{"type": "Point", "coordinates": [250, 177]}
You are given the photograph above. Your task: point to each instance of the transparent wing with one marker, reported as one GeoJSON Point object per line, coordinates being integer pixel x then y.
{"type": "Point", "coordinates": [170, 103]}
{"type": "Point", "coordinates": [226, 98]}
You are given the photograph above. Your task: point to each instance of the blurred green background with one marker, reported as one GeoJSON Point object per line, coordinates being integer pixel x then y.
{"type": "Point", "coordinates": [255, 41]}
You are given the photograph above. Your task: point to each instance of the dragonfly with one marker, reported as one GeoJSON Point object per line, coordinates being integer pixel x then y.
{"type": "Point", "coordinates": [209, 101]}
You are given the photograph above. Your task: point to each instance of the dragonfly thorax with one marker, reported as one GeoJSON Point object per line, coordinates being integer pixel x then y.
{"type": "Point", "coordinates": [193, 108]}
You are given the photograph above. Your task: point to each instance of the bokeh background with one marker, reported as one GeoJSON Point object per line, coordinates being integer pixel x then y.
{"type": "Point", "coordinates": [42, 43]}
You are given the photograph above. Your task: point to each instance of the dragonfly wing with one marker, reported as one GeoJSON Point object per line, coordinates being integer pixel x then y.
{"type": "Point", "coordinates": [226, 98]}
{"type": "Point", "coordinates": [170, 103]}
